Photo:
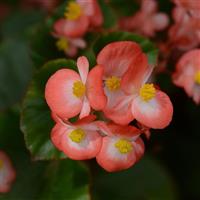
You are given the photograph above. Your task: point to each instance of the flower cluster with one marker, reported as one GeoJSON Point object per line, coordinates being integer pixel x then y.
{"type": "Point", "coordinates": [117, 88]}
{"type": "Point", "coordinates": [79, 17]}
{"type": "Point", "coordinates": [185, 33]}
{"type": "Point", "coordinates": [7, 173]}
{"type": "Point", "coordinates": [146, 21]}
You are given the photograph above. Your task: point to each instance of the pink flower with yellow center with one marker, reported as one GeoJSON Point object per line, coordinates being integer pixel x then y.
{"type": "Point", "coordinates": [146, 21]}
{"type": "Point", "coordinates": [121, 148]}
{"type": "Point", "coordinates": [116, 58]}
{"type": "Point", "coordinates": [187, 74]}
{"type": "Point", "coordinates": [7, 173]}
{"type": "Point", "coordinates": [70, 46]}
{"type": "Point", "coordinates": [150, 106]}
{"type": "Point", "coordinates": [79, 16]}
{"type": "Point", "coordinates": [67, 93]}
{"type": "Point", "coordinates": [80, 140]}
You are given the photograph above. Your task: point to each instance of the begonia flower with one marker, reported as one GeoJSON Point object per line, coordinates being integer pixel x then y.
{"type": "Point", "coordinates": [116, 58]}
{"type": "Point", "coordinates": [187, 74]}
{"type": "Point", "coordinates": [150, 106]}
{"type": "Point", "coordinates": [70, 46]}
{"type": "Point", "coordinates": [79, 16]}
{"type": "Point", "coordinates": [185, 33]}
{"type": "Point", "coordinates": [7, 173]}
{"type": "Point", "coordinates": [146, 21]}
{"type": "Point", "coordinates": [80, 140]}
{"type": "Point", "coordinates": [191, 6]}
{"type": "Point", "coordinates": [68, 93]}
{"type": "Point", "coordinates": [121, 148]}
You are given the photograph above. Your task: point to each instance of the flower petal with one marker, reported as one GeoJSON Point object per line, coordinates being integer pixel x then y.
{"type": "Point", "coordinates": [59, 94]}
{"type": "Point", "coordinates": [86, 149]}
{"type": "Point", "coordinates": [116, 57]}
{"type": "Point", "coordinates": [136, 75]}
{"type": "Point", "coordinates": [86, 120]}
{"type": "Point", "coordinates": [83, 68]}
{"type": "Point", "coordinates": [111, 159]}
{"type": "Point", "coordinates": [97, 18]}
{"type": "Point", "coordinates": [156, 113]}
{"type": "Point", "coordinates": [7, 173]}
{"type": "Point", "coordinates": [85, 111]}
{"type": "Point", "coordinates": [119, 109]}
{"type": "Point", "coordinates": [95, 91]}
{"type": "Point", "coordinates": [160, 21]}
{"type": "Point", "coordinates": [56, 134]}
{"type": "Point", "coordinates": [71, 28]}
{"type": "Point", "coordinates": [124, 131]}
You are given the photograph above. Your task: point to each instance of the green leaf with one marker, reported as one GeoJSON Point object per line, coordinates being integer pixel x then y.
{"type": "Point", "coordinates": [36, 122]}
{"type": "Point", "coordinates": [110, 19]}
{"type": "Point", "coordinates": [147, 46]}
{"type": "Point", "coordinates": [15, 71]}
{"type": "Point", "coordinates": [65, 179]}
{"type": "Point", "coordinates": [147, 180]}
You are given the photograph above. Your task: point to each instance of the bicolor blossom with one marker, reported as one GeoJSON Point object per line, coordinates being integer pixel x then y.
{"type": "Point", "coordinates": [185, 32]}
{"type": "Point", "coordinates": [126, 71]}
{"type": "Point", "coordinates": [7, 173]}
{"type": "Point", "coordinates": [187, 74]}
{"type": "Point", "coordinates": [80, 140]}
{"type": "Point", "coordinates": [116, 58]}
{"type": "Point", "coordinates": [69, 45]}
{"type": "Point", "coordinates": [147, 102]}
{"type": "Point", "coordinates": [121, 148]}
{"type": "Point", "coordinates": [147, 21]}
{"type": "Point", "coordinates": [68, 93]}
{"type": "Point", "coordinates": [80, 16]}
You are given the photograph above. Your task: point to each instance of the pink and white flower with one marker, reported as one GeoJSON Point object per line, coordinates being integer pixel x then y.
{"type": "Point", "coordinates": [146, 21]}
{"type": "Point", "coordinates": [116, 58]}
{"type": "Point", "coordinates": [70, 46]}
{"type": "Point", "coordinates": [80, 140]}
{"type": "Point", "coordinates": [79, 17]}
{"type": "Point", "coordinates": [147, 102]}
{"type": "Point", "coordinates": [68, 93]}
{"type": "Point", "coordinates": [121, 148]}
{"type": "Point", "coordinates": [187, 74]}
{"type": "Point", "coordinates": [7, 173]}
{"type": "Point", "coordinates": [185, 33]}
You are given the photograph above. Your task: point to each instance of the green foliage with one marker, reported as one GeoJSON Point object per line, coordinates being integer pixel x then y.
{"type": "Point", "coordinates": [15, 71]}
{"type": "Point", "coordinates": [146, 180]}
{"type": "Point", "coordinates": [36, 122]}
{"type": "Point", "coordinates": [65, 179]}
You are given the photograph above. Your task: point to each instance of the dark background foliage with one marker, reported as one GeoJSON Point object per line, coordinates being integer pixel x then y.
{"type": "Point", "coordinates": [170, 169]}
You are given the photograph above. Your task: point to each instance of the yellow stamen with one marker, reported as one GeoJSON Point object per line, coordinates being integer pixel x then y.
{"type": "Point", "coordinates": [62, 44]}
{"type": "Point", "coordinates": [147, 92]}
{"type": "Point", "coordinates": [73, 11]}
{"type": "Point", "coordinates": [113, 83]}
{"type": "Point", "coordinates": [78, 89]}
{"type": "Point", "coordinates": [124, 146]}
{"type": "Point", "coordinates": [1, 164]}
{"type": "Point", "coordinates": [197, 78]}
{"type": "Point", "coordinates": [77, 135]}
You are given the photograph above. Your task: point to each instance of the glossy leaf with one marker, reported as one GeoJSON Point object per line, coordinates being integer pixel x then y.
{"type": "Point", "coordinates": [65, 179]}
{"type": "Point", "coordinates": [15, 71]}
{"type": "Point", "coordinates": [146, 180]}
{"type": "Point", "coordinates": [36, 122]}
